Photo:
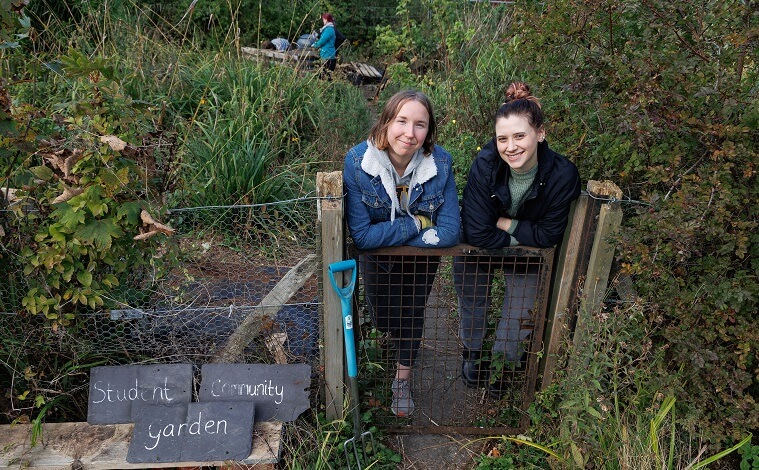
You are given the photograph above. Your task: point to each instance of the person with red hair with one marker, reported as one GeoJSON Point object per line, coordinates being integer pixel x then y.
{"type": "Point", "coordinates": [326, 46]}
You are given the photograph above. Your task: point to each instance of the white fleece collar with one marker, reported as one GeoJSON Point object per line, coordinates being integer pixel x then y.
{"type": "Point", "coordinates": [377, 163]}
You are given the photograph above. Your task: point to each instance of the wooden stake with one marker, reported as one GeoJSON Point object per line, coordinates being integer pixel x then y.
{"type": "Point", "coordinates": [329, 188]}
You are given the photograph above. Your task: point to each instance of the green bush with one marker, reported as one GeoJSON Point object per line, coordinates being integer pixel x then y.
{"type": "Point", "coordinates": [661, 98]}
{"type": "Point", "coordinates": [82, 195]}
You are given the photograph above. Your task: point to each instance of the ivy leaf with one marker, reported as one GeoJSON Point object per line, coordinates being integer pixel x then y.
{"type": "Point", "coordinates": [99, 233]}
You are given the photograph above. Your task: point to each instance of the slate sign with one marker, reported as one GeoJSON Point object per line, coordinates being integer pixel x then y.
{"type": "Point", "coordinates": [279, 391]}
{"type": "Point", "coordinates": [197, 432]}
{"type": "Point", "coordinates": [114, 389]}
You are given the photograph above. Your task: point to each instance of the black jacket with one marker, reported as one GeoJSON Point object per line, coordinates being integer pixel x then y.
{"type": "Point", "coordinates": [542, 217]}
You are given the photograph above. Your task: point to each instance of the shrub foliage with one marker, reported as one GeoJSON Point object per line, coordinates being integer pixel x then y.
{"type": "Point", "coordinates": [660, 97]}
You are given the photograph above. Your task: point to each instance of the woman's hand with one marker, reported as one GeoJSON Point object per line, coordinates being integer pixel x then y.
{"type": "Point", "coordinates": [503, 223]}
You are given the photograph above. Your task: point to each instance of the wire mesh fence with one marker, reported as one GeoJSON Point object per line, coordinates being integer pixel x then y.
{"type": "Point", "coordinates": [226, 261]}
{"type": "Point", "coordinates": [432, 309]}
{"type": "Point", "coordinates": [410, 310]}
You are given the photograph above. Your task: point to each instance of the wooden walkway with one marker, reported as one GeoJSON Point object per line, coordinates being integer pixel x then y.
{"type": "Point", "coordinates": [365, 70]}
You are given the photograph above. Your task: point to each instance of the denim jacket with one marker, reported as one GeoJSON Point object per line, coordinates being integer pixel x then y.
{"type": "Point", "coordinates": [368, 204]}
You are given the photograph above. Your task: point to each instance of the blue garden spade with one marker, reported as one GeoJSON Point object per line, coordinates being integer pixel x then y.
{"type": "Point", "coordinates": [360, 439]}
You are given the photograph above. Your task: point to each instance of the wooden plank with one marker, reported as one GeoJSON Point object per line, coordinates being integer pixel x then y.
{"type": "Point", "coordinates": [599, 266]}
{"type": "Point", "coordinates": [296, 277]}
{"type": "Point", "coordinates": [366, 70]}
{"type": "Point", "coordinates": [570, 284]}
{"type": "Point", "coordinates": [371, 71]}
{"type": "Point", "coordinates": [563, 287]}
{"type": "Point", "coordinates": [609, 221]}
{"type": "Point", "coordinates": [329, 188]}
{"type": "Point", "coordinates": [101, 447]}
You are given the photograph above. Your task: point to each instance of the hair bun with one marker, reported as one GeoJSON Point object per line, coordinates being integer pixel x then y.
{"type": "Point", "coordinates": [520, 91]}
{"type": "Point", "coordinates": [517, 91]}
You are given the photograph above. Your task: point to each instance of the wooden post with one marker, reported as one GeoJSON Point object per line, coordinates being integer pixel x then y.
{"type": "Point", "coordinates": [563, 287]}
{"type": "Point", "coordinates": [329, 189]}
{"type": "Point", "coordinates": [602, 255]}
{"type": "Point", "coordinates": [585, 255]}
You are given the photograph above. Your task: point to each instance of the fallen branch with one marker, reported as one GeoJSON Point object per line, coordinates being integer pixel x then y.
{"type": "Point", "coordinates": [264, 313]}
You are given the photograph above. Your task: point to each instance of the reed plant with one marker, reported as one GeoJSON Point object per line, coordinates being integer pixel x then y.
{"type": "Point", "coordinates": [257, 136]}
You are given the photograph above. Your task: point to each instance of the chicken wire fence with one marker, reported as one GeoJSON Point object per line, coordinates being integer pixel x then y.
{"type": "Point", "coordinates": [231, 257]}
{"type": "Point", "coordinates": [227, 260]}
{"type": "Point", "coordinates": [410, 314]}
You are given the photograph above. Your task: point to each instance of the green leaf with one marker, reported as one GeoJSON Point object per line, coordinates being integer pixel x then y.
{"type": "Point", "coordinates": [97, 207]}
{"type": "Point", "coordinates": [114, 180]}
{"type": "Point", "coordinates": [725, 452]}
{"type": "Point", "coordinates": [56, 234]}
{"type": "Point", "coordinates": [110, 280]}
{"type": "Point", "coordinates": [68, 217]}
{"type": "Point", "coordinates": [99, 233]}
{"type": "Point", "coordinates": [577, 455]}
{"type": "Point", "coordinates": [130, 211]}
{"type": "Point", "coordinates": [84, 278]}
{"type": "Point", "coordinates": [42, 172]}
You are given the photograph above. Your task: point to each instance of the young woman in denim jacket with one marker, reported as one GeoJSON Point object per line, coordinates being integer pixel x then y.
{"type": "Point", "coordinates": [400, 190]}
{"type": "Point", "coordinates": [519, 191]}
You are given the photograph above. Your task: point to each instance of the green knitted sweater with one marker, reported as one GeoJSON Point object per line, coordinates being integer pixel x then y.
{"type": "Point", "coordinates": [519, 187]}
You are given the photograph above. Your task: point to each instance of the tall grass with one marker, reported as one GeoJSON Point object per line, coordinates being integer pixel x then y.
{"type": "Point", "coordinates": [607, 407]}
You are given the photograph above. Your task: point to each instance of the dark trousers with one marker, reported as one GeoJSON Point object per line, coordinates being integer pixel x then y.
{"type": "Point", "coordinates": [396, 290]}
{"type": "Point", "coordinates": [327, 68]}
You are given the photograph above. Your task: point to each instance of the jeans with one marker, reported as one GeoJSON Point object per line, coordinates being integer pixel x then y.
{"type": "Point", "coordinates": [473, 279]}
{"type": "Point", "coordinates": [396, 290]}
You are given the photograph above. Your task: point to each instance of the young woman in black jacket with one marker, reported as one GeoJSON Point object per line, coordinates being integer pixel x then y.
{"type": "Point", "coordinates": [518, 192]}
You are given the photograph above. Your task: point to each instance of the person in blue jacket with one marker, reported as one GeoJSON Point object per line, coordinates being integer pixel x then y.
{"type": "Point", "coordinates": [518, 192]}
{"type": "Point", "coordinates": [400, 190]}
{"type": "Point", "coordinates": [326, 45]}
